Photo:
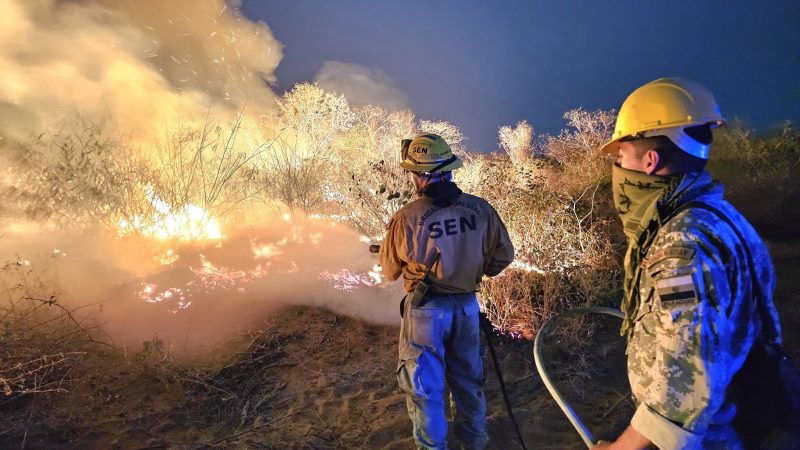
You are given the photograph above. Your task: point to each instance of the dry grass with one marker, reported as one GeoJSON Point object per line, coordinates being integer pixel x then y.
{"type": "Point", "coordinates": [41, 341]}
{"type": "Point", "coordinates": [758, 177]}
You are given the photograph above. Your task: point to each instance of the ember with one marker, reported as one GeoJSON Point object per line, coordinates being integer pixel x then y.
{"type": "Point", "coordinates": [349, 281]}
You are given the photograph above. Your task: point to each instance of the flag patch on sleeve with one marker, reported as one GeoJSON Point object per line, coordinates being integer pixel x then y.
{"type": "Point", "coordinates": [680, 288]}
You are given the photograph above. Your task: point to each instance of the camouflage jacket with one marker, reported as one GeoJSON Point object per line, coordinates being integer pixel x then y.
{"type": "Point", "coordinates": [697, 322]}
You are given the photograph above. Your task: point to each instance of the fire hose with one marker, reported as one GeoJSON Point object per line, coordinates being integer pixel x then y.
{"type": "Point", "coordinates": [548, 382]}
{"type": "Point", "coordinates": [487, 331]}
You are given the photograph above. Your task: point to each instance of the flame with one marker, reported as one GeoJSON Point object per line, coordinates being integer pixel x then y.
{"type": "Point", "coordinates": [209, 278]}
{"type": "Point", "coordinates": [149, 293]}
{"type": "Point", "coordinates": [266, 251]}
{"type": "Point", "coordinates": [186, 223]}
{"type": "Point", "coordinates": [213, 277]}
{"type": "Point", "coordinates": [348, 281]}
{"type": "Point", "coordinates": [168, 258]}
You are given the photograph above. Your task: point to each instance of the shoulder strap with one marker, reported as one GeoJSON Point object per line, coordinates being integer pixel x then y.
{"type": "Point", "coordinates": [428, 272]}
{"type": "Point", "coordinates": [760, 298]}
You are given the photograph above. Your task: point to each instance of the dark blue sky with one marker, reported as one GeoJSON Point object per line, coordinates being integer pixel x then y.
{"type": "Point", "coordinates": [482, 64]}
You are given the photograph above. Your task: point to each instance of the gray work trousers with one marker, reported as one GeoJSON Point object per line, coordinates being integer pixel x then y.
{"type": "Point", "coordinates": [441, 340]}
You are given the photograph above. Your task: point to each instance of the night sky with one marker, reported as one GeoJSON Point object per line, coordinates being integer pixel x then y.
{"type": "Point", "coordinates": [482, 64]}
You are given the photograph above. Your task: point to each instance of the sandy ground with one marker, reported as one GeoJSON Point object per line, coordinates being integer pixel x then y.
{"type": "Point", "coordinates": [311, 378]}
{"type": "Point", "coordinates": [317, 380]}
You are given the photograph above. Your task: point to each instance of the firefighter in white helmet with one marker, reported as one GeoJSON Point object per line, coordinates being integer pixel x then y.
{"type": "Point", "coordinates": [445, 241]}
{"type": "Point", "coordinates": [698, 279]}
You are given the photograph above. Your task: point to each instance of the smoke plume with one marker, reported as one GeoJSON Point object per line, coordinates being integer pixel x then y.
{"type": "Point", "coordinates": [191, 296]}
{"type": "Point", "coordinates": [142, 70]}
{"type": "Point", "coordinates": [361, 85]}
{"type": "Point", "coordinates": [138, 66]}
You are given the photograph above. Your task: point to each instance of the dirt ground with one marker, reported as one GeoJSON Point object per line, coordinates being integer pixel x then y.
{"type": "Point", "coordinates": [310, 378]}
{"type": "Point", "coordinates": [321, 380]}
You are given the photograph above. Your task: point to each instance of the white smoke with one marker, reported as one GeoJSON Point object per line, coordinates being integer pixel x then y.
{"type": "Point", "coordinates": [195, 297]}
{"type": "Point", "coordinates": [144, 69]}
{"type": "Point", "coordinates": [361, 85]}
{"type": "Point", "coordinates": [139, 66]}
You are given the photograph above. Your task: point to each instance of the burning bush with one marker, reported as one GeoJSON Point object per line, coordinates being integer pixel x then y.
{"type": "Point", "coordinates": [329, 159]}
{"type": "Point", "coordinates": [173, 189]}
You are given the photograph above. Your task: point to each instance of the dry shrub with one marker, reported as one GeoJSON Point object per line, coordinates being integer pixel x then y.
{"type": "Point", "coordinates": [365, 184]}
{"type": "Point", "coordinates": [509, 301]}
{"type": "Point", "coordinates": [759, 176]}
{"type": "Point", "coordinates": [372, 196]}
{"type": "Point", "coordinates": [41, 342]}
{"type": "Point", "coordinates": [293, 177]}
{"type": "Point", "coordinates": [490, 176]}
{"type": "Point", "coordinates": [448, 131]}
{"type": "Point", "coordinates": [575, 151]}
{"type": "Point", "coordinates": [342, 162]}
{"type": "Point", "coordinates": [561, 222]}
{"type": "Point", "coordinates": [204, 167]}
{"type": "Point", "coordinates": [314, 116]}
{"type": "Point", "coordinates": [74, 178]}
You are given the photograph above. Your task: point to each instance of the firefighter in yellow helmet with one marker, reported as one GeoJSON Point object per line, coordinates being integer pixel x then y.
{"type": "Point", "coordinates": [698, 279]}
{"type": "Point", "coordinates": [442, 244]}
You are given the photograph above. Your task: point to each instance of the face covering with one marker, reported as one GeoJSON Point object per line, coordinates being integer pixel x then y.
{"type": "Point", "coordinates": [643, 201]}
{"type": "Point", "coordinates": [442, 191]}
{"type": "Point", "coordinates": [423, 182]}
{"type": "Point", "coordinates": [635, 196]}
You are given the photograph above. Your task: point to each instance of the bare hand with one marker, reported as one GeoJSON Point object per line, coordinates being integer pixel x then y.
{"type": "Point", "coordinates": [630, 439]}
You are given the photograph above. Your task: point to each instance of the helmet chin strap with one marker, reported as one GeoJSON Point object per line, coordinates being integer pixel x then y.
{"type": "Point", "coordinates": [424, 180]}
{"type": "Point", "coordinates": [427, 177]}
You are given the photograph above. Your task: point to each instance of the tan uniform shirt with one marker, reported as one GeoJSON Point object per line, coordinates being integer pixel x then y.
{"type": "Point", "coordinates": [469, 235]}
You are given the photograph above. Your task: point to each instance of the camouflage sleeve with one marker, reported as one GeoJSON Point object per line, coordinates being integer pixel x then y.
{"type": "Point", "coordinates": [682, 356]}
{"type": "Point", "coordinates": [393, 251]}
{"type": "Point", "coordinates": [499, 250]}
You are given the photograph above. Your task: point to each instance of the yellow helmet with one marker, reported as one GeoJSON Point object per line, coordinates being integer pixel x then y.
{"type": "Point", "coordinates": [428, 153]}
{"type": "Point", "coordinates": [665, 107]}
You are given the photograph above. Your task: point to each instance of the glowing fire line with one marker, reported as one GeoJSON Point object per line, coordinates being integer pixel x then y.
{"type": "Point", "coordinates": [186, 223]}
{"type": "Point", "coordinates": [209, 277]}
